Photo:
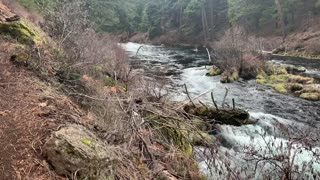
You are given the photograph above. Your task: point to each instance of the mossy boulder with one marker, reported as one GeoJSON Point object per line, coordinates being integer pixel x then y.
{"type": "Point", "coordinates": [20, 59]}
{"type": "Point", "coordinates": [295, 69]}
{"type": "Point", "coordinates": [280, 88]}
{"type": "Point", "coordinates": [310, 96]}
{"type": "Point", "coordinates": [229, 76]}
{"type": "Point", "coordinates": [277, 77]}
{"type": "Point", "coordinates": [214, 71]}
{"type": "Point", "coordinates": [21, 31]}
{"type": "Point", "coordinates": [75, 150]}
{"type": "Point", "coordinates": [274, 69]}
{"type": "Point", "coordinates": [294, 87]}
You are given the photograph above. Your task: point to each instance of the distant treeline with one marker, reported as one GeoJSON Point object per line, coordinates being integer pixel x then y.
{"type": "Point", "coordinates": [192, 17]}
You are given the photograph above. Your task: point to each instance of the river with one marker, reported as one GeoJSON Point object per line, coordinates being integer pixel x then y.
{"type": "Point", "coordinates": [182, 65]}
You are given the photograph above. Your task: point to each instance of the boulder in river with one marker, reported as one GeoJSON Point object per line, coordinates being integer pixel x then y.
{"type": "Point", "coordinates": [295, 69]}
{"type": "Point", "coordinates": [310, 96]}
{"type": "Point", "coordinates": [75, 150]}
{"type": "Point", "coordinates": [214, 71]}
{"type": "Point", "coordinates": [230, 75]}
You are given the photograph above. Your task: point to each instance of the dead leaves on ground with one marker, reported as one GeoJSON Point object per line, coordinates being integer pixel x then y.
{"type": "Point", "coordinates": [4, 113]}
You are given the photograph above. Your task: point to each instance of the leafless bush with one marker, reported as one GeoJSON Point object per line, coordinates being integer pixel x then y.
{"type": "Point", "coordinates": [84, 51]}
{"type": "Point", "coordinates": [293, 157]}
{"type": "Point", "coordinates": [251, 65]}
{"type": "Point", "coordinates": [238, 50]}
{"type": "Point", "coordinates": [314, 48]}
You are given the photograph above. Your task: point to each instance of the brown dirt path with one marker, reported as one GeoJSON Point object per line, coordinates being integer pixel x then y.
{"type": "Point", "coordinates": [25, 121]}
{"type": "Point", "coordinates": [19, 128]}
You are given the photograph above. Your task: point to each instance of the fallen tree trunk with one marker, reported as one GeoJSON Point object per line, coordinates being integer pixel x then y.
{"type": "Point", "coordinates": [235, 117]}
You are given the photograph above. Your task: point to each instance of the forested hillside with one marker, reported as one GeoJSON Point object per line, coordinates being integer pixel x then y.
{"type": "Point", "coordinates": [203, 20]}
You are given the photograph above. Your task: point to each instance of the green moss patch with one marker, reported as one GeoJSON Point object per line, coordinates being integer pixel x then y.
{"type": "Point", "coordinates": [214, 71]}
{"type": "Point", "coordinates": [230, 76]}
{"type": "Point", "coordinates": [281, 81]}
{"type": "Point", "coordinates": [174, 132]}
{"type": "Point", "coordinates": [21, 31]}
{"type": "Point", "coordinates": [310, 96]}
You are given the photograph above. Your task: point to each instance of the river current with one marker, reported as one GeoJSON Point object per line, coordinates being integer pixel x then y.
{"type": "Point", "coordinates": [182, 65]}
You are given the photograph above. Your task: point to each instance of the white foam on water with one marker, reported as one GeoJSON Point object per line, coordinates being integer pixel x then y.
{"type": "Point", "coordinates": [258, 137]}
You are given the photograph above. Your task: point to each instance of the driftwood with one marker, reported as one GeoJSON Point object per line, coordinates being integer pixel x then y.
{"type": "Point", "coordinates": [209, 54]}
{"type": "Point", "coordinates": [235, 117]}
{"type": "Point", "coordinates": [186, 88]}
{"type": "Point", "coordinates": [214, 115]}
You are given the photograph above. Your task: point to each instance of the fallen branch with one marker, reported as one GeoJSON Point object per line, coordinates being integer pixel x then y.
{"type": "Point", "coordinates": [203, 104]}
{"type": "Point", "coordinates": [214, 102]}
{"type": "Point", "coordinates": [194, 99]}
{"type": "Point", "coordinates": [185, 86]}
{"type": "Point", "coordinates": [139, 50]}
{"type": "Point", "coordinates": [224, 98]}
{"type": "Point", "coordinates": [209, 54]}
{"type": "Point", "coordinates": [233, 104]}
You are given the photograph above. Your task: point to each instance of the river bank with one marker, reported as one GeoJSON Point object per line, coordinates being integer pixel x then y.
{"type": "Point", "coordinates": [183, 66]}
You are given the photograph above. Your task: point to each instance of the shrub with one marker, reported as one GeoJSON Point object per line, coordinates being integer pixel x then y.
{"type": "Point", "coordinates": [237, 50]}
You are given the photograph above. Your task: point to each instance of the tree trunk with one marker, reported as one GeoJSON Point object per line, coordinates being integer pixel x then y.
{"type": "Point", "coordinates": [281, 19]}
{"type": "Point", "coordinates": [204, 23]}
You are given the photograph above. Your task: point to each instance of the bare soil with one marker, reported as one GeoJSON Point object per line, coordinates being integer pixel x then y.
{"type": "Point", "coordinates": [29, 111]}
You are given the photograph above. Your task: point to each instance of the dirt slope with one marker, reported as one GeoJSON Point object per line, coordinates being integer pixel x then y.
{"type": "Point", "coordinates": [22, 129]}
{"type": "Point", "coordinates": [29, 111]}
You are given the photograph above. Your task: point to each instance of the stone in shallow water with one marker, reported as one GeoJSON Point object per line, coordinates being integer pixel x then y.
{"type": "Point", "coordinates": [74, 149]}
{"type": "Point", "coordinates": [214, 71]}
{"type": "Point", "coordinates": [310, 96]}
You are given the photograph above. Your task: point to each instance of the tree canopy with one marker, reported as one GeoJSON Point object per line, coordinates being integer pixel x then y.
{"type": "Point", "coordinates": [191, 17]}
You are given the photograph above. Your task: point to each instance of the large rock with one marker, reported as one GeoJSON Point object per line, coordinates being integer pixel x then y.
{"type": "Point", "coordinates": [75, 150]}
{"type": "Point", "coordinates": [229, 76]}
{"type": "Point", "coordinates": [214, 71]}
{"type": "Point", "coordinates": [21, 31]}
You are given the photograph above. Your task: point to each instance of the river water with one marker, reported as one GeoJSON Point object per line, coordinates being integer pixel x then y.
{"type": "Point", "coordinates": [187, 66]}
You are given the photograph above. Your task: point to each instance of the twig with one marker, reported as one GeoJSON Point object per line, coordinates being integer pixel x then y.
{"type": "Point", "coordinates": [209, 54]}
{"type": "Point", "coordinates": [203, 104]}
{"type": "Point", "coordinates": [195, 98]}
{"type": "Point", "coordinates": [224, 98]}
{"type": "Point", "coordinates": [138, 50]}
{"type": "Point", "coordinates": [185, 86]}
{"type": "Point", "coordinates": [89, 97]}
{"type": "Point", "coordinates": [233, 104]}
{"type": "Point", "coordinates": [214, 102]}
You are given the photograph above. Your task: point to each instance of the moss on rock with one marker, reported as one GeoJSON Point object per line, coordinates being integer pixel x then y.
{"type": "Point", "coordinates": [280, 88]}
{"type": "Point", "coordinates": [295, 69]}
{"type": "Point", "coordinates": [76, 150]}
{"type": "Point", "coordinates": [214, 71]}
{"type": "Point", "coordinates": [274, 69]}
{"type": "Point", "coordinates": [21, 31]}
{"type": "Point", "coordinates": [20, 59]}
{"type": "Point", "coordinates": [310, 96]}
{"type": "Point", "coordinates": [295, 87]}
{"type": "Point", "coordinates": [276, 77]}
{"type": "Point", "coordinates": [230, 76]}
